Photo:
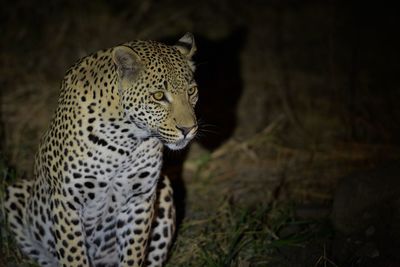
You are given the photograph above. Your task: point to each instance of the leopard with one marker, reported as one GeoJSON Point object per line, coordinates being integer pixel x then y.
{"type": "Point", "coordinates": [98, 196]}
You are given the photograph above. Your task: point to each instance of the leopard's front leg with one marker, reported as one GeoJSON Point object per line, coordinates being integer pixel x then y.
{"type": "Point", "coordinates": [68, 234]}
{"type": "Point", "coordinates": [163, 227]}
{"type": "Point", "coordinates": [133, 230]}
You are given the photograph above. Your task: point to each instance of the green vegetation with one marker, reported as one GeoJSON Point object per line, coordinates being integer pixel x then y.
{"type": "Point", "coordinates": [243, 236]}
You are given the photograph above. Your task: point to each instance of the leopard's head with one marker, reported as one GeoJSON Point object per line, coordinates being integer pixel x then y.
{"type": "Point", "coordinates": [157, 88]}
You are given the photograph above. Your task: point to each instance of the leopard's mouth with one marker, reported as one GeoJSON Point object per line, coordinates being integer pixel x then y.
{"type": "Point", "coordinates": [176, 143]}
{"type": "Point", "coordinates": [176, 139]}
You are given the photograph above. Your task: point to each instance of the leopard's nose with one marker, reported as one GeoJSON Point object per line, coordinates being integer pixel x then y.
{"type": "Point", "coordinates": [186, 130]}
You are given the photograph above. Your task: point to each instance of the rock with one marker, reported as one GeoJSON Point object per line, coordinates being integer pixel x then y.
{"type": "Point", "coordinates": [367, 206]}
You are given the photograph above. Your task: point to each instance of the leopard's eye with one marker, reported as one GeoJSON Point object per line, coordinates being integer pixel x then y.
{"type": "Point", "coordinates": [192, 90]}
{"type": "Point", "coordinates": [159, 96]}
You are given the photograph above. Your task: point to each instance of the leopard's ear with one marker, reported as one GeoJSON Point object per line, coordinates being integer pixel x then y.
{"type": "Point", "coordinates": [186, 45]}
{"type": "Point", "coordinates": [127, 61]}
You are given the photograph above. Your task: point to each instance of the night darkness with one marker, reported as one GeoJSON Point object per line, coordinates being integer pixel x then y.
{"type": "Point", "coordinates": [297, 161]}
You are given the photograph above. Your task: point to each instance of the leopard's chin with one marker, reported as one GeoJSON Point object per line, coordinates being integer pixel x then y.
{"type": "Point", "coordinates": [180, 144]}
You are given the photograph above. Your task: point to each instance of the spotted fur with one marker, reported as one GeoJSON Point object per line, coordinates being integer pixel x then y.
{"type": "Point", "coordinates": [97, 197]}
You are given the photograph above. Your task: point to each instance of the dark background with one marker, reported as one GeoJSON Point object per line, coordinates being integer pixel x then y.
{"type": "Point", "coordinates": [298, 107]}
